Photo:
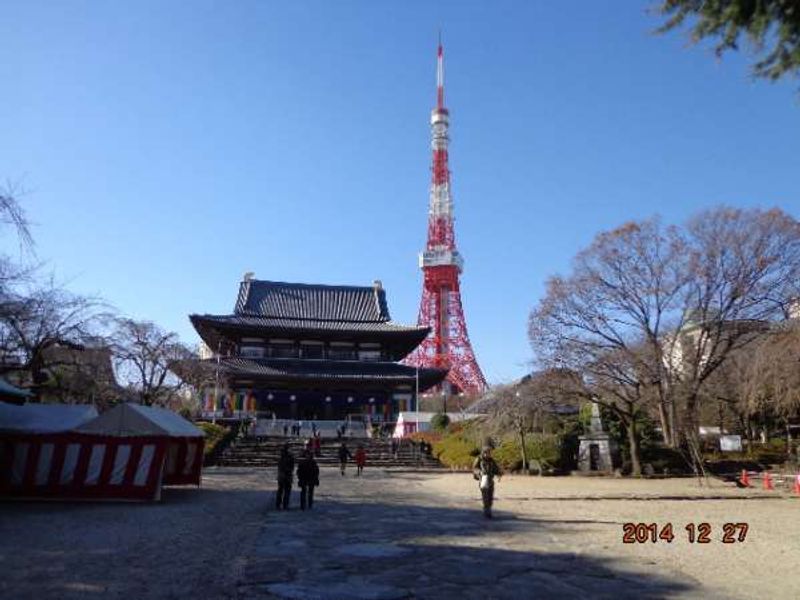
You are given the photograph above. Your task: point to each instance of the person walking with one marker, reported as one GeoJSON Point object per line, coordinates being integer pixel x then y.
{"type": "Point", "coordinates": [318, 444]}
{"type": "Point", "coordinates": [307, 479]}
{"type": "Point", "coordinates": [484, 470]}
{"type": "Point", "coordinates": [361, 459]}
{"type": "Point", "coordinates": [285, 476]}
{"type": "Point", "coordinates": [344, 454]}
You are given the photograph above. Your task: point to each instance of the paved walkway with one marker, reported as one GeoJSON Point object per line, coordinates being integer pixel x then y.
{"type": "Point", "coordinates": [389, 537]}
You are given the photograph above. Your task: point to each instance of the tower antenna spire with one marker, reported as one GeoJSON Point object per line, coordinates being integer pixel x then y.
{"type": "Point", "coordinates": [440, 75]}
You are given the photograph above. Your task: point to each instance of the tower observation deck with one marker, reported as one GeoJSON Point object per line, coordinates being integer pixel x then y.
{"type": "Point", "coordinates": [448, 345]}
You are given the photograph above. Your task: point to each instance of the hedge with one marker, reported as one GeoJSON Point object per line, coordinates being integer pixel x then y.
{"type": "Point", "coordinates": [216, 437]}
{"type": "Point", "coordinates": [456, 450]}
{"type": "Point", "coordinates": [542, 449]}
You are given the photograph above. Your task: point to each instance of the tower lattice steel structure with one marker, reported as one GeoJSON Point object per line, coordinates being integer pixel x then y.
{"type": "Point", "coordinates": [448, 344]}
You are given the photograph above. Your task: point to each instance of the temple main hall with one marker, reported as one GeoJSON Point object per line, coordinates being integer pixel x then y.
{"type": "Point", "coordinates": [309, 351]}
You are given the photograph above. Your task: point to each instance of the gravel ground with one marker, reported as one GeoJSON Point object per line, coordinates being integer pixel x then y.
{"type": "Point", "coordinates": [403, 535]}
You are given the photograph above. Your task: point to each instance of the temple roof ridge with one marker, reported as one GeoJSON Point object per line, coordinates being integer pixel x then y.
{"type": "Point", "coordinates": [313, 302]}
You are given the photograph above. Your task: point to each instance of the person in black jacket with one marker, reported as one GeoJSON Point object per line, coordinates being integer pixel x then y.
{"type": "Point", "coordinates": [307, 479]}
{"type": "Point", "coordinates": [344, 454]}
{"type": "Point", "coordinates": [285, 477]}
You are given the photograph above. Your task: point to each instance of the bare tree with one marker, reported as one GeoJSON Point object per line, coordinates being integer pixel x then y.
{"type": "Point", "coordinates": [744, 267]}
{"type": "Point", "coordinates": [11, 213]}
{"type": "Point", "coordinates": [608, 320]}
{"type": "Point", "coordinates": [649, 314]}
{"type": "Point", "coordinates": [771, 382]}
{"type": "Point", "coordinates": [35, 321]}
{"type": "Point", "coordinates": [144, 355]}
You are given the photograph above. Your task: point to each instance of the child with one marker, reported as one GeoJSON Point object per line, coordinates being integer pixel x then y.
{"type": "Point", "coordinates": [361, 459]}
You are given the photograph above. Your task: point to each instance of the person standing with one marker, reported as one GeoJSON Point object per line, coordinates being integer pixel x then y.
{"type": "Point", "coordinates": [307, 479]}
{"type": "Point", "coordinates": [361, 459]}
{"type": "Point", "coordinates": [344, 454]}
{"type": "Point", "coordinates": [484, 470]}
{"type": "Point", "coordinates": [285, 476]}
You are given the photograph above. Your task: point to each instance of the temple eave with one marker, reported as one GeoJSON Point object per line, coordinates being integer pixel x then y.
{"type": "Point", "coordinates": [345, 372]}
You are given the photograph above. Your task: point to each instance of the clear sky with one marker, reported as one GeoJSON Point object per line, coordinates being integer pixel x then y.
{"type": "Point", "coordinates": [168, 147]}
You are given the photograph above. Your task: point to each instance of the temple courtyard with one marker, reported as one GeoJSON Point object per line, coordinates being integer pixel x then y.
{"type": "Point", "coordinates": [394, 534]}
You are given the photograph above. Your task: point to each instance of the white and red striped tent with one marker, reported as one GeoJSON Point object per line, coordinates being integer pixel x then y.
{"type": "Point", "coordinates": [45, 453]}
{"type": "Point", "coordinates": [42, 456]}
{"type": "Point", "coordinates": [184, 454]}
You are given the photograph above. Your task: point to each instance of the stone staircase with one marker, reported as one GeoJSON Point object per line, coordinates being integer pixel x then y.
{"type": "Point", "coordinates": [264, 451]}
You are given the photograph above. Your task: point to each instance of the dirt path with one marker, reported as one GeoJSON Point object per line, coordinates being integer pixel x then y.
{"type": "Point", "coordinates": [586, 516]}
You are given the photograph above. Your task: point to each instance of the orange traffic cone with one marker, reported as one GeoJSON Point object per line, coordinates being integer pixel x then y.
{"type": "Point", "coordinates": [744, 479]}
{"type": "Point", "coordinates": [797, 484]}
{"type": "Point", "coordinates": [768, 482]}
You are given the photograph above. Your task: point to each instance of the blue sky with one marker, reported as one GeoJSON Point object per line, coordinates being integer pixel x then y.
{"type": "Point", "coordinates": [168, 147]}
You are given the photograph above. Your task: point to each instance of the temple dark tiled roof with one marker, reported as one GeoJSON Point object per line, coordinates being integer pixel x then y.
{"type": "Point", "coordinates": [351, 304]}
{"type": "Point", "coordinates": [277, 369]}
{"type": "Point", "coordinates": [276, 309]}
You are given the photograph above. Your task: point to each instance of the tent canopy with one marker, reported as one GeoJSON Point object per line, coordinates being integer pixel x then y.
{"type": "Point", "coordinates": [6, 389]}
{"type": "Point", "coordinates": [44, 418]}
{"type": "Point", "coordinates": [134, 419]}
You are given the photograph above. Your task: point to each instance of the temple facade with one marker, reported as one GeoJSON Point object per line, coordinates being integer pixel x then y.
{"type": "Point", "coordinates": [307, 351]}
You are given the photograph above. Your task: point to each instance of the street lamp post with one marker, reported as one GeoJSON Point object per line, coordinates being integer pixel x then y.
{"type": "Point", "coordinates": [216, 388]}
{"type": "Point", "coordinates": [416, 399]}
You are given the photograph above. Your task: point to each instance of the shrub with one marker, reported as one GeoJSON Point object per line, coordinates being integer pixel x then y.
{"type": "Point", "coordinates": [425, 436]}
{"type": "Point", "coordinates": [455, 427]}
{"type": "Point", "coordinates": [439, 422]}
{"type": "Point", "coordinates": [773, 453]}
{"type": "Point", "coordinates": [456, 450]}
{"type": "Point", "coordinates": [214, 435]}
{"type": "Point", "coordinates": [543, 450]}
{"type": "Point", "coordinates": [665, 460]}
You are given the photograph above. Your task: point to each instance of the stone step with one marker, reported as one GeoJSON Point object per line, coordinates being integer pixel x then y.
{"type": "Point", "coordinates": [264, 452]}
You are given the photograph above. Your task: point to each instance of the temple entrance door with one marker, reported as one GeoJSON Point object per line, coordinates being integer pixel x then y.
{"type": "Point", "coordinates": [594, 457]}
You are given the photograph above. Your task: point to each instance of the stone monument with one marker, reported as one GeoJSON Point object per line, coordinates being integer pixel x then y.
{"type": "Point", "coordinates": [597, 450]}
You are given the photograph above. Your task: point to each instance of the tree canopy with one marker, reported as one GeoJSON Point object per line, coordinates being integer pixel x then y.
{"type": "Point", "coordinates": [772, 27]}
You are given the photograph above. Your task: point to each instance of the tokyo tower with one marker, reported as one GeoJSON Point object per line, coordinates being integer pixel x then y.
{"type": "Point", "coordinates": [448, 345]}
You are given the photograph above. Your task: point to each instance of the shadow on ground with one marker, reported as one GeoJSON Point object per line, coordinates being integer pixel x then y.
{"type": "Point", "coordinates": [380, 539]}
{"type": "Point", "coordinates": [383, 550]}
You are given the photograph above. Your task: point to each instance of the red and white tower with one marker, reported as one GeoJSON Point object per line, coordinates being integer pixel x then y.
{"type": "Point", "coordinates": [448, 344]}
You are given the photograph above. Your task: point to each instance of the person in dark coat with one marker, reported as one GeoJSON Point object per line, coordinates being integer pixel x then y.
{"type": "Point", "coordinates": [344, 454]}
{"type": "Point", "coordinates": [285, 477]}
{"type": "Point", "coordinates": [307, 479]}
